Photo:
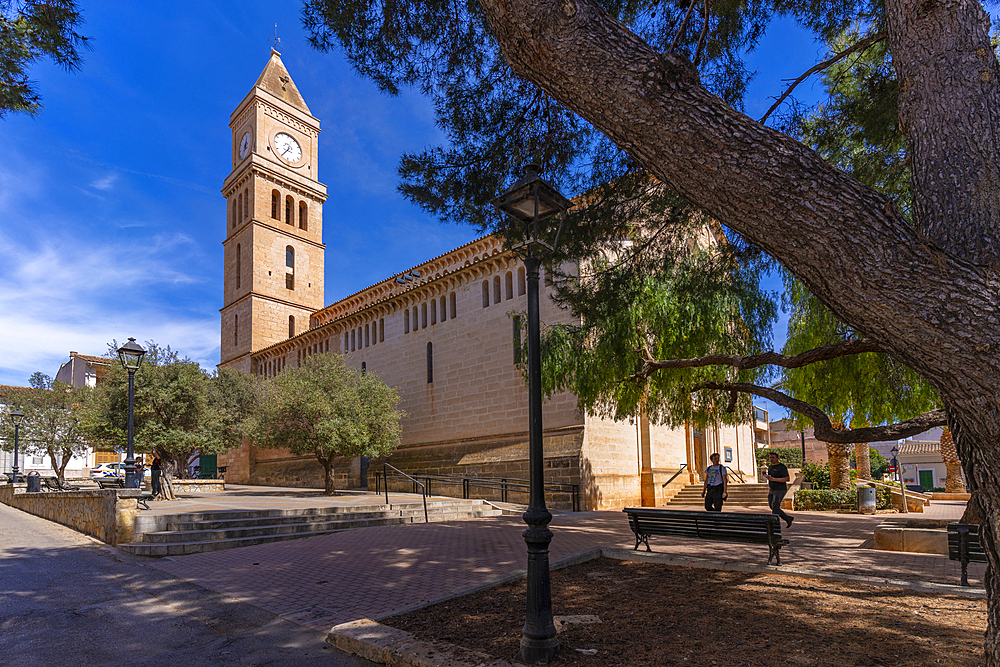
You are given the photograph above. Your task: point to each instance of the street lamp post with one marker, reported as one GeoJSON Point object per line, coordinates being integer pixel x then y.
{"type": "Point", "coordinates": [899, 471]}
{"type": "Point", "coordinates": [130, 354]}
{"type": "Point", "coordinates": [529, 201]}
{"type": "Point", "coordinates": [15, 418]}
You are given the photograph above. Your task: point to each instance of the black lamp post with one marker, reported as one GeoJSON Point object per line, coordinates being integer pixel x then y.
{"type": "Point", "coordinates": [130, 355]}
{"type": "Point", "coordinates": [15, 418]}
{"type": "Point", "coordinates": [529, 201]}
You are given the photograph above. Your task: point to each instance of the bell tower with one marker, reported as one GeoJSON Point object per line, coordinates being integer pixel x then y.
{"type": "Point", "coordinates": [273, 273]}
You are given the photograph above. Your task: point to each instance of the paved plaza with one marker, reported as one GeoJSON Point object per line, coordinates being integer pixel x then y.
{"type": "Point", "coordinates": [273, 603]}
{"type": "Point", "coordinates": [376, 572]}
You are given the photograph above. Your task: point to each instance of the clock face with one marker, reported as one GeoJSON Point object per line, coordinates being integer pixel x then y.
{"type": "Point", "coordinates": [287, 147]}
{"type": "Point", "coordinates": [244, 145]}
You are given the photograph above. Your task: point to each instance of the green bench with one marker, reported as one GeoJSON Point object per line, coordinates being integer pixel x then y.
{"type": "Point", "coordinates": [719, 526]}
{"type": "Point", "coordinates": [965, 547]}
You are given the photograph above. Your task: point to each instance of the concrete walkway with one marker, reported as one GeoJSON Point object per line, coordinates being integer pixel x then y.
{"type": "Point", "coordinates": [376, 572]}
{"type": "Point", "coordinates": [66, 599]}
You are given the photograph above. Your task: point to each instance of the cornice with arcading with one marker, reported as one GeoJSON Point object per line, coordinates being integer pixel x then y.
{"type": "Point", "coordinates": [279, 115]}
{"type": "Point", "coordinates": [255, 169]}
{"type": "Point", "coordinates": [449, 267]}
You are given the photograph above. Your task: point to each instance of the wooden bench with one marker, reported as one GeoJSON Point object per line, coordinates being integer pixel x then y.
{"type": "Point", "coordinates": [110, 482]}
{"type": "Point", "coordinates": [965, 547]}
{"type": "Point", "coordinates": [720, 526]}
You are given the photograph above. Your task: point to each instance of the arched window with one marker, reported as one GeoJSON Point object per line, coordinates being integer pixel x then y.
{"type": "Point", "coordinates": [354, 339]}
{"type": "Point", "coordinates": [520, 281]}
{"type": "Point", "coordinates": [236, 330]}
{"type": "Point", "coordinates": [289, 203]}
{"type": "Point", "coordinates": [454, 306]}
{"type": "Point", "coordinates": [289, 267]}
{"type": "Point", "coordinates": [496, 289]}
{"type": "Point", "coordinates": [238, 266]}
{"type": "Point", "coordinates": [423, 315]}
{"type": "Point", "coordinates": [364, 369]}
{"type": "Point", "coordinates": [444, 310]}
{"type": "Point", "coordinates": [246, 203]}
{"type": "Point", "coordinates": [347, 345]}
{"type": "Point", "coordinates": [434, 311]}
{"type": "Point", "coordinates": [406, 321]}
{"type": "Point", "coordinates": [233, 211]}
{"type": "Point", "coordinates": [517, 339]}
{"type": "Point", "coordinates": [381, 330]}
{"type": "Point", "coordinates": [368, 337]}
{"type": "Point", "coordinates": [508, 284]}
{"type": "Point", "coordinates": [291, 326]}
{"type": "Point", "coordinates": [239, 206]}
{"type": "Point", "coordinates": [303, 216]}
{"type": "Point", "coordinates": [430, 363]}
{"type": "Point", "coordinates": [275, 198]}
{"type": "Point", "coordinates": [486, 294]}
{"type": "Point", "coordinates": [416, 319]}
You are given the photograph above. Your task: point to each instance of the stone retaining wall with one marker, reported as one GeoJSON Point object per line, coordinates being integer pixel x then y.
{"type": "Point", "coordinates": [98, 513]}
{"type": "Point", "coordinates": [197, 485]}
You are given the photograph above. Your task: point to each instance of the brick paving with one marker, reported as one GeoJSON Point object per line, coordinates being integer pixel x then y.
{"type": "Point", "coordinates": [373, 572]}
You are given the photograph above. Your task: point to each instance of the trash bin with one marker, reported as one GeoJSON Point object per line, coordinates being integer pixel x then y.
{"type": "Point", "coordinates": [34, 482]}
{"type": "Point", "coordinates": [866, 499]}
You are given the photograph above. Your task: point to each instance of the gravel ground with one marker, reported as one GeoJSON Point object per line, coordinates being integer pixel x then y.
{"type": "Point", "coordinates": [660, 615]}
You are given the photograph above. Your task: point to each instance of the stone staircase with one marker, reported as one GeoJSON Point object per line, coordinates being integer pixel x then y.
{"type": "Point", "coordinates": [180, 534]}
{"type": "Point", "coordinates": [740, 495]}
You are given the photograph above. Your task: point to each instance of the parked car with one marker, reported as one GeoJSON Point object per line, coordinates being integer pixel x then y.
{"type": "Point", "coordinates": [108, 470]}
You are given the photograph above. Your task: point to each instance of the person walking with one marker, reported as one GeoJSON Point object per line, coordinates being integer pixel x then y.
{"type": "Point", "coordinates": [716, 488]}
{"type": "Point", "coordinates": [777, 486]}
{"type": "Point", "coordinates": [140, 472]}
{"type": "Point", "coordinates": [154, 475]}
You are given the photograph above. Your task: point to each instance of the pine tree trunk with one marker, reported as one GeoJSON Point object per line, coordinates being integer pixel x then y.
{"type": "Point", "coordinates": [862, 457]}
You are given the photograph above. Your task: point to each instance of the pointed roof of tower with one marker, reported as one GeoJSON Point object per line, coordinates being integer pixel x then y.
{"type": "Point", "coordinates": [275, 80]}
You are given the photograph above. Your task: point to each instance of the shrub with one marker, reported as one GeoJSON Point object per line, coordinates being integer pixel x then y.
{"type": "Point", "coordinates": [823, 500]}
{"type": "Point", "coordinates": [790, 456]}
{"type": "Point", "coordinates": [818, 474]}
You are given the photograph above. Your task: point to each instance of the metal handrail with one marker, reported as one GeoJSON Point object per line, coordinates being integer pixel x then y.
{"type": "Point", "coordinates": [503, 484]}
{"type": "Point", "coordinates": [424, 494]}
{"type": "Point", "coordinates": [674, 476]}
{"type": "Point", "coordinates": [737, 473]}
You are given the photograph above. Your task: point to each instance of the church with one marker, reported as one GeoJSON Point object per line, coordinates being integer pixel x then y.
{"type": "Point", "coordinates": [442, 333]}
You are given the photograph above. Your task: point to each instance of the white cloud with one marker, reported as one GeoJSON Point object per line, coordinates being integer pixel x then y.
{"type": "Point", "coordinates": [105, 183]}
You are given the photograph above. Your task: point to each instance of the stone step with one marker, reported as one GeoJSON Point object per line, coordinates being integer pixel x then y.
{"type": "Point", "coordinates": [198, 532]}
{"type": "Point", "coordinates": [235, 530]}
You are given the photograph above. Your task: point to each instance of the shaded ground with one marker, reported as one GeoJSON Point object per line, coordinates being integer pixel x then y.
{"type": "Point", "coordinates": [660, 615]}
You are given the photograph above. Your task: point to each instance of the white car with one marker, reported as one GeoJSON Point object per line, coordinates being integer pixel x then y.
{"type": "Point", "coordinates": [109, 470]}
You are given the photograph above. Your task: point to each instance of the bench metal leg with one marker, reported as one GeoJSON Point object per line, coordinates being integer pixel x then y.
{"type": "Point", "coordinates": [965, 572]}
{"type": "Point", "coordinates": [641, 539]}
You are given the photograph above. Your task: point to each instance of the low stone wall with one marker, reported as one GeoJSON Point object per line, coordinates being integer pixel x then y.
{"type": "Point", "coordinates": [98, 513]}
{"type": "Point", "coordinates": [926, 536]}
{"type": "Point", "coordinates": [197, 485]}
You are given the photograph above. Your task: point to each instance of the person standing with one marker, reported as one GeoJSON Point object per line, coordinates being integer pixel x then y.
{"type": "Point", "coordinates": [154, 475]}
{"type": "Point", "coordinates": [140, 472]}
{"type": "Point", "coordinates": [777, 486]}
{"type": "Point", "coordinates": [716, 488]}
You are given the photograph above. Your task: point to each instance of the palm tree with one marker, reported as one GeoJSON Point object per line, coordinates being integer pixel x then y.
{"type": "Point", "coordinates": [840, 461]}
{"type": "Point", "coordinates": [862, 457]}
{"type": "Point", "coordinates": [954, 483]}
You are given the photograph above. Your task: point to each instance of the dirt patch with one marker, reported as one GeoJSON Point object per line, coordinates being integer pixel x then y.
{"type": "Point", "coordinates": [661, 615]}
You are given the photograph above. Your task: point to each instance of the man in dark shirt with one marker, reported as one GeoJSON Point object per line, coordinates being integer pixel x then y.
{"type": "Point", "coordinates": [777, 483]}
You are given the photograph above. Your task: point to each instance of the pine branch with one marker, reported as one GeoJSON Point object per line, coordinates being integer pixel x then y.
{"type": "Point", "coordinates": [821, 353]}
{"type": "Point", "coordinates": [837, 57]}
{"type": "Point", "coordinates": [823, 429]}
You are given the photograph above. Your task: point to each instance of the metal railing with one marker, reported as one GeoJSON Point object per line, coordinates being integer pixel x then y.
{"type": "Point", "coordinates": [503, 484]}
{"type": "Point", "coordinates": [737, 473]}
{"type": "Point", "coordinates": [385, 474]}
{"type": "Point", "coordinates": [674, 476]}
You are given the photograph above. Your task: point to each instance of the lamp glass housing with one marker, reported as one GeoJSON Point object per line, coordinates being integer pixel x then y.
{"type": "Point", "coordinates": [130, 354]}
{"type": "Point", "coordinates": [16, 417]}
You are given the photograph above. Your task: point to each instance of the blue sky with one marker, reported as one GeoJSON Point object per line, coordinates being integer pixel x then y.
{"type": "Point", "coordinates": [112, 216]}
